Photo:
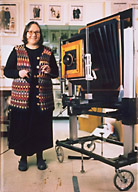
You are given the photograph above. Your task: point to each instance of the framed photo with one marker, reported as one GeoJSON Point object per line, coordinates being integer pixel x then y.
{"type": "Point", "coordinates": [9, 19]}
{"type": "Point", "coordinates": [36, 12]}
{"type": "Point", "coordinates": [117, 7]}
{"type": "Point", "coordinates": [45, 35]}
{"type": "Point", "coordinates": [55, 12]}
{"type": "Point", "coordinates": [54, 36]}
{"type": "Point", "coordinates": [134, 5]}
{"type": "Point", "coordinates": [76, 12]}
{"type": "Point", "coordinates": [73, 32]}
{"type": "Point", "coordinates": [64, 34]}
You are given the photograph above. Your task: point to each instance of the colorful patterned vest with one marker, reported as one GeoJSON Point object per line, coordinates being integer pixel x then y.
{"type": "Point", "coordinates": [21, 88]}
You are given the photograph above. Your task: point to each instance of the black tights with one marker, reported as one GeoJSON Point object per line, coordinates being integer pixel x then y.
{"type": "Point", "coordinates": [24, 158]}
{"type": "Point", "coordinates": [39, 156]}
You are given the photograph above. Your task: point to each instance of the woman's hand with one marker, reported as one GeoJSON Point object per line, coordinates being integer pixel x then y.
{"type": "Point", "coordinates": [23, 73]}
{"type": "Point", "coordinates": [45, 69]}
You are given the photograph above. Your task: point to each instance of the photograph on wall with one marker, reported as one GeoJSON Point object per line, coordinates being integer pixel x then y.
{"type": "Point", "coordinates": [73, 32]}
{"type": "Point", "coordinates": [76, 13]}
{"type": "Point", "coordinates": [54, 36]}
{"type": "Point", "coordinates": [8, 19]}
{"type": "Point", "coordinates": [54, 12]}
{"type": "Point", "coordinates": [133, 5]}
{"type": "Point", "coordinates": [64, 35]}
{"type": "Point", "coordinates": [36, 12]}
{"type": "Point", "coordinates": [117, 7]}
{"type": "Point", "coordinates": [45, 35]}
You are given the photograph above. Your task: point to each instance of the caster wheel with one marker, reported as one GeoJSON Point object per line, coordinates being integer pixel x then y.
{"type": "Point", "coordinates": [90, 146]}
{"type": "Point", "coordinates": [60, 154]}
{"type": "Point", "coordinates": [123, 180]}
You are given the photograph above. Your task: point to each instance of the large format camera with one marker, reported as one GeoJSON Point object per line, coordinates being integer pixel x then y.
{"type": "Point", "coordinates": [96, 55]}
{"type": "Point", "coordinates": [100, 63]}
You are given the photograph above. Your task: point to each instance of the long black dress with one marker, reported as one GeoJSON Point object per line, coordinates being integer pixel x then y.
{"type": "Point", "coordinates": [30, 130]}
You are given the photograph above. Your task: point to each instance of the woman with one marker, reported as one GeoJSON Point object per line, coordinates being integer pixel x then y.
{"type": "Point", "coordinates": [32, 66]}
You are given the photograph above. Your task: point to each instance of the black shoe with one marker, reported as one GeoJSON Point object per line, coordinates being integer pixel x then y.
{"type": "Point", "coordinates": [41, 164]}
{"type": "Point", "coordinates": [22, 165]}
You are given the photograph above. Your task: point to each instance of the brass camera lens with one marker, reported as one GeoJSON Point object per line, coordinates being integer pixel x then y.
{"type": "Point", "coordinates": [68, 59]}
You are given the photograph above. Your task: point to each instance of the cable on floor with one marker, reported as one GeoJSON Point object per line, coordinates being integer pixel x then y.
{"type": "Point", "coordinates": [4, 151]}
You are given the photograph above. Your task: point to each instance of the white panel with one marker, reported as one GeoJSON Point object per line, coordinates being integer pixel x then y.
{"type": "Point", "coordinates": [128, 63]}
{"type": "Point", "coordinates": [136, 46]}
{"type": "Point", "coordinates": [5, 52]}
{"type": "Point", "coordinates": [128, 139]}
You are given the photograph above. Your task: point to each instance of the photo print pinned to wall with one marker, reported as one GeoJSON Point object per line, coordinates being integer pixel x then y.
{"type": "Point", "coordinates": [64, 35]}
{"type": "Point", "coordinates": [73, 32]}
{"type": "Point", "coordinates": [8, 19]}
{"type": "Point", "coordinates": [76, 13]}
{"type": "Point", "coordinates": [55, 13]}
{"type": "Point", "coordinates": [133, 5]}
{"type": "Point", "coordinates": [36, 12]}
{"type": "Point", "coordinates": [119, 6]}
{"type": "Point", "coordinates": [54, 36]}
{"type": "Point", "coordinates": [45, 35]}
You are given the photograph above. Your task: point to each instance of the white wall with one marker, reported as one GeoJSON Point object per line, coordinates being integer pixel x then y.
{"type": "Point", "coordinates": [92, 10]}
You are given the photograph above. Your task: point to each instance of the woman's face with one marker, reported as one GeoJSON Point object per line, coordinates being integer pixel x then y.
{"type": "Point", "coordinates": [33, 35]}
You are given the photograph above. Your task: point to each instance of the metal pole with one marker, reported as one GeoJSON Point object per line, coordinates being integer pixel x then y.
{"type": "Point", "coordinates": [129, 143]}
{"type": "Point", "coordinates": [87, 51]}
{"type": "Point", "coordinates": [129, 81]}
{"type": "Point", "coordinates": [72, 118]}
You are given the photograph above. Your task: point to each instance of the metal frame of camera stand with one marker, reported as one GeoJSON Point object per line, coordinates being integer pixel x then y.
{"type": "Point", "coordinates": [130, 155]}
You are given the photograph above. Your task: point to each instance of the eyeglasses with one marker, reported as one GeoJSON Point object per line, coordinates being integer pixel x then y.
{"type": "Point", "coordinates": [33, 32]}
